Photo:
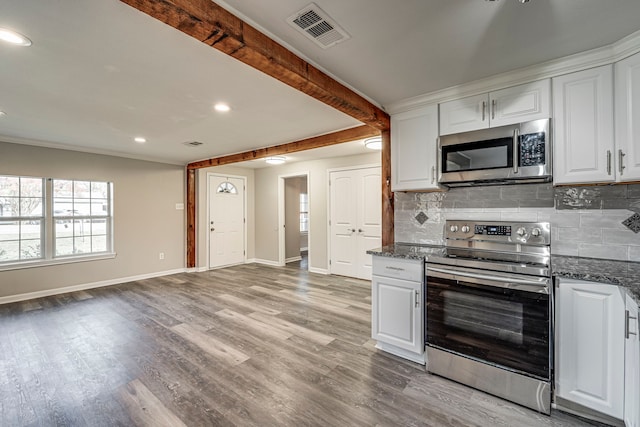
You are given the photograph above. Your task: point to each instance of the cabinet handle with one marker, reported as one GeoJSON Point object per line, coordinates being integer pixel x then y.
{"type": "Point", "coordinates": [493, 109]}
{"type": "Point", "coordinates": [621, 165]}
{"type": "Point", "coordinates": [608, 162]}
{"type": "Point", "coordinates": [433, 174]}
{"type": "Point", "coordinates": [516, 149]}
{"type": "Point", "coordinates": [417, 299]}
{"type": "Point", "coordinates": [628, 317]}
{"type": "Point", "coordinates": [484, 107]}
{"type": "Point", "coordinates": [394, 268]}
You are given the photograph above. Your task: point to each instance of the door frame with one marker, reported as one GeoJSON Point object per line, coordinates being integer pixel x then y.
{"type": "Point", "coordinates": [330, 226]}
{"type": "Point", "coordinates": [281, 209]}
{"type": "Point", "coordinates": [244, 213]}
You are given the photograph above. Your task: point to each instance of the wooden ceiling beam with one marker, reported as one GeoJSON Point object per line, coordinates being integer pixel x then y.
{"type": "Point", "coordinates": [326, 140]}
{"type": "Point", "coordinates": [211, 24]}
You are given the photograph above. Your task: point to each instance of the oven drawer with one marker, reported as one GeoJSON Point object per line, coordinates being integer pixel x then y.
{"type": "Point", "coordinates": [399, 268]}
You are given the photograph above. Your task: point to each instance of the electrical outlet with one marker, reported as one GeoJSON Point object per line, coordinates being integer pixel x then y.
{"type": "Point", "coordinates": [161, 255]}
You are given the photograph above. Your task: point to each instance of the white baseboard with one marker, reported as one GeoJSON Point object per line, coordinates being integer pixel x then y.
{"type": "Point", "coordinates": [405, 354]}
{"type": "Point", "coordinates": [57, 291]}
{"type": "Point", "coordinates": [292, 259]}
{"type": "Point", "coordinates": [319, 270]}
{"type": "Point", "coordinates": [199, 269]}
{"type": "Point", "coordinates": [267, 262]}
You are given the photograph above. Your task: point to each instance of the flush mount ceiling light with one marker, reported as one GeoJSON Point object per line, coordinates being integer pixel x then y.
{"type": "Point", "coordinates": [140, 140]}
{"type": "Point", "coordinates": [2, 114]}
{"type": "Point", "coordinates": [275, 160]}
{"type": "Point", "coordinates": [13, 37]}
{"type": "Point", "coordinates": [221, 107]}
{"type": "Point", "coordinates": [374, 143]}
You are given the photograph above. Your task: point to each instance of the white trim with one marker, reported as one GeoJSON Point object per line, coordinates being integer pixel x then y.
{"type": "Point", "coordinates": [244, 213]}
{"type": "Point", "coordinates": [319, 270]}
{"type": "Point", "coordinates": [267, 262]}
{"type": "Point", "coordinates": [351, 168]}
{"type": "Point", "coordinates": [198, 270]}
{"type": "Point", "coordinates": [281, 213]}
{"type": "Point", "coordinates": [292, 259]}
{"type": "Point", "coordinates": [57, 291]}
{"type": "Point", "coordinates": [580, 61]}
{"type": "Point", "coordinates": [57, 261]}
{"type": "Point", "coordinates": [420, 358]}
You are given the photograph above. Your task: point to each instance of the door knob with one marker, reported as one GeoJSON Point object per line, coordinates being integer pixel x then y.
{"type": "Point", "coordinates": [213, 229]}
{"type": "Point", "coordinates": [359, 230]}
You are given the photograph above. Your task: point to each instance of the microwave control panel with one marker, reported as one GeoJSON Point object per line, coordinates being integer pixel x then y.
{"type": "Point", "coordinates": [532, 149]}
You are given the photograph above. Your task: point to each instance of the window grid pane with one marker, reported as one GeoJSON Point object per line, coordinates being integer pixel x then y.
{"type": "Point", "coordinates": [21, 218]}
{"type": "Point", "coordinates": [82, 216]}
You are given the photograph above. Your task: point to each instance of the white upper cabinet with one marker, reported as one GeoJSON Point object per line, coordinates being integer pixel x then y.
{"type": "Point", "coordinates": [583, 123]}
{"type": "Point", "coordinates": [414, 137]}
{"type": "Point", "coordinates": [627, 112]}
{"type": "Point", "coordinates": [531, 101]}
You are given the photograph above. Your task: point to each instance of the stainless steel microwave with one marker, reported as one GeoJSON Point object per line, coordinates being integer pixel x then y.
{"type": "Point", "coordinates": [507, 154]}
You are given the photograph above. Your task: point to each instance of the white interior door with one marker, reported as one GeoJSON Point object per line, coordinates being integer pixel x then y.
{"type": "Point", "coordinates": [356, 224]}
{"type": "Point", "coordinates": [369, 211]}
{"type": "Point", "coordinates": [343, 223]}
{"type": "Point", "coordinates": [226, 221]}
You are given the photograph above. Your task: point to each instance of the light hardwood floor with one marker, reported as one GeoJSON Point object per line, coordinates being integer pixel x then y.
{"type": "Point", "coordinates": [246, 345]}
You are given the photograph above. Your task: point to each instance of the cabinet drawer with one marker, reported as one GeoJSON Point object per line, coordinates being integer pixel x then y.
{"type": "Point", "coordinates": [405, 269]}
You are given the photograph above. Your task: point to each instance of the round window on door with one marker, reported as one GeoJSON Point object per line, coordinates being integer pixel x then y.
{"type": "Point", "coordinates": [227, 188]}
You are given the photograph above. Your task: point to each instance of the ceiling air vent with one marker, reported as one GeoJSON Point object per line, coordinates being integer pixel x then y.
{"type": "Point", "coordinates": [314, 23]}
{"type": "Point", "coordinates": [193, 143]}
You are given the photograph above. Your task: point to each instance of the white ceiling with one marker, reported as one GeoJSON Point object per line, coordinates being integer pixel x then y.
{"type": "Point", "coordinates": [100, 73]}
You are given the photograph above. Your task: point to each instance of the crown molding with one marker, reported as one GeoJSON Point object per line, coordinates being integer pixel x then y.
{"type": "Point", "coordinates": [580, 61]}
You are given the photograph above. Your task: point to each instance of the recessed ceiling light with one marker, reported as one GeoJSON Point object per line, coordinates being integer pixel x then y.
{"type": "Point", "coordinates": [221, 107]}
{"type": "Point", "coordinates": [374, 143]}
{"type": "Point", "coordinates": [275, 160]}
{"type": "Point", "coordinates": [12, 37]}
{"type": "Point", "coordinates": [140, 140]}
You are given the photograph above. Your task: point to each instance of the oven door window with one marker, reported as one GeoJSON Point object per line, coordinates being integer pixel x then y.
{"type": "Point", "coordinates": [505, 327]}
{"type": "Point", "coordinates": [491, 154]}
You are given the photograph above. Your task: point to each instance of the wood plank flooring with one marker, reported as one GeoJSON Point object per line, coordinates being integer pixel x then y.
{"type": "Point", "coordinates": [246, 345]}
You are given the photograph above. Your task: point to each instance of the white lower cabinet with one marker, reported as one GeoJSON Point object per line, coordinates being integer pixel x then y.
{"type": "Point", "coordinates": [632, 365]}
{"type": "Point", "coordinates": [590, 346]}
{"type": "Point", "coordinates": [397, 307]}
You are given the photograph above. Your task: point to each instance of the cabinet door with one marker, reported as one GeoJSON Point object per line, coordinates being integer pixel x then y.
{"type": "Point", "coordinates": [632, 366]}
{"type": "Point", "coordinates": [463, 115]}
{"type": "Point", "coordinates": [413, 149]}
{"type": "Point", "coordinates": [627, 87]}
{"type": "Point", "coordinates": [590, 345]}
{"type": "Point", "coordinates": [583, 111]}
{"type": "Point", "coordinates": [521, 103]}
{"type": "Point", "coordinates": [396, 313]}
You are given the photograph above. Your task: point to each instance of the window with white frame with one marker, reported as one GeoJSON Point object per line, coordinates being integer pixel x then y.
{"type": "Point", "coordinates": [304, 213]}
{"type": "Point", "coordinates": [45, 220]}
{"type": "Point", "coordinates": [21, 218]}
{"type": "Point", "coordinates": [81, 212]}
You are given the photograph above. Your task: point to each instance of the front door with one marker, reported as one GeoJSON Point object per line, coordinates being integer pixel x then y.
{"type": "Point", "coordinates": [226, 221]}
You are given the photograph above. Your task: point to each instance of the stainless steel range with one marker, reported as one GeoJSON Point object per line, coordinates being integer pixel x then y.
{"type": "Point", "coordinates": [488, 309]}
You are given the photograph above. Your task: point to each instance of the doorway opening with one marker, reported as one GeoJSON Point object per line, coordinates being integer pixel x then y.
{"type": "Point", "coordinates": [295, 232]}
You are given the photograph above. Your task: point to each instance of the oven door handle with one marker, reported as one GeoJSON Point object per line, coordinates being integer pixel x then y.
{"type": "Point", "coordinates": [496, 281]}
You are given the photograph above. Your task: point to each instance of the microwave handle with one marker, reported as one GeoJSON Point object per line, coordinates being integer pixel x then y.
{"type": "Point", "coordinates": [516, 149]}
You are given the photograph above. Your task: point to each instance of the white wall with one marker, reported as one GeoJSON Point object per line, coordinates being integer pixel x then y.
{"type": "Point", "coordinates": [202, 261]}
{"type": "Point", "coordinates": [146, 221]}
{"type": "Point", "coordinates": [266, 205]}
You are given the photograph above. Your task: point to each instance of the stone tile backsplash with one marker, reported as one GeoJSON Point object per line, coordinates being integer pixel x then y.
{"type": "Point", "coordinates": [585, 221]}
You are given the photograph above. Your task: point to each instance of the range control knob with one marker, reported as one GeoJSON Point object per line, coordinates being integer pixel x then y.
{"type": "Point", "coordinates": [465, 229]}
{"type": "Point", "coordinates": [535, 232]}
{"type": "Point", "coordinates": [521, 231]}
{"type": "Point", "coordinates": [453, 228]}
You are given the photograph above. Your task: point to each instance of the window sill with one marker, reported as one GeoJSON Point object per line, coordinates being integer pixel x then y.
{"type": "Point", "coordinates": [56, 261]}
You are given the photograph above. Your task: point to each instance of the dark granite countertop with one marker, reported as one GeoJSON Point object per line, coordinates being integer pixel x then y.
{"type": "Point", "coordinates": [406, 251]}
{"type": "Point", "coordinates": [621, 273]}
